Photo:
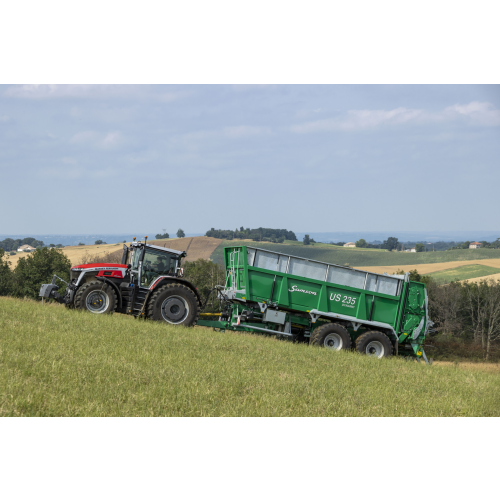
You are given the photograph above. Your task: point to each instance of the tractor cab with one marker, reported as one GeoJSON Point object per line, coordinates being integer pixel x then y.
{"type": "Point", "coordinates": [147, 263]}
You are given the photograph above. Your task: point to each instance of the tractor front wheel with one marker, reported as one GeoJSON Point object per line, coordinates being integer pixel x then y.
{"type": "Point", "coordinates": [175, 304]}
{"type": "Point", "coordinates": [374, 344]}
{"type": "Point", "coordinates": [332, 336]}
{"type": "Point", "coordinates": [96, 297]}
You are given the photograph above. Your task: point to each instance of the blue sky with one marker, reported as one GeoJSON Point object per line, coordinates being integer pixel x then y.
{"type": "Point", "coordinates": [113, 159]}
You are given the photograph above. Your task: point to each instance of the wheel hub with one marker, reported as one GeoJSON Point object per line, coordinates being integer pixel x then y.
{"type": "Point", "coordinates": [333, 341]}
{"type": "Point", "coordinates": [375, 349]}
{"type": "Point", "coordinates": [174, 309]}
{"type": "Point", "coordinates": [97, 301]}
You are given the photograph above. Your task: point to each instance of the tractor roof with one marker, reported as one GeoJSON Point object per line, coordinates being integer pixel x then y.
{"type": "Point", "coordinates": [163, 249]}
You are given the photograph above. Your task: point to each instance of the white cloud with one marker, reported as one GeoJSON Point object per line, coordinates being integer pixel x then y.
{"type": "Point", "coordinates": [476, 113]}
{"type": "Point", "coordinates": [4, 119]}
{"type": "Point", "coordinates": [479, 113]}
{"type": "Point", "coordinates": [360, 120]}
{"type": "Point", "coordinates": [111, 140]}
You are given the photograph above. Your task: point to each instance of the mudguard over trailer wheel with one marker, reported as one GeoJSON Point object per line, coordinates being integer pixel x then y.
{"type": "Point", "coordinates": [332, 336]}
{"type": "Point", "coordinates": [375, 344]}
{"type": "Point", "coordinates": [96, 297]}
{"type": "Point", "coordinates": [175, 304]}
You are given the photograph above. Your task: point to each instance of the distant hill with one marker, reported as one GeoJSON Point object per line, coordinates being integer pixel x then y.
{"type": "Point", "coordinates": [361, 258]}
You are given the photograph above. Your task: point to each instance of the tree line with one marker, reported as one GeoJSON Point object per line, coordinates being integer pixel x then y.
{"type": "Point", "coordinates": [393, 243]}
{"type": "Point", "coordinates": [11, 245]}
{"type": "Point", "coordinates": [258, 234]}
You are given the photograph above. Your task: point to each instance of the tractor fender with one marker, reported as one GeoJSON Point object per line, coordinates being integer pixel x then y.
{"type": "Point", "coordinates": [173, 279]}
{"type": "Point", "coordinates": [115, 287]}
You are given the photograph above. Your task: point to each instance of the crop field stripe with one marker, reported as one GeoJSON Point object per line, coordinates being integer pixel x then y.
{"type": "Point", "coordinates": [61, 362]}
{"type": "Point", "coordinates": [463, 273]}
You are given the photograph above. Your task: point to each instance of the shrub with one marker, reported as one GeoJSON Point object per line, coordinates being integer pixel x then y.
{"type": "Point", "coordinates": [38, 268]}
{"type": "Point", "coordinates": [6, 278]}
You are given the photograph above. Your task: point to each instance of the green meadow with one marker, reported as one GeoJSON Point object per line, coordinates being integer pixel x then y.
{"type": "Point", "coordinates": [60, 362]}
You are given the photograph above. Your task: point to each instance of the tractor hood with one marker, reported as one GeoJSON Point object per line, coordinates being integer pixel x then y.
{"type": "Point", "coordinates": [100, 265]}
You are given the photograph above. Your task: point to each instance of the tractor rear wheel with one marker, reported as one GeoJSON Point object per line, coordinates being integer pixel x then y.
{"type": "Point", "coordinates": [332, 336]}
{"type": "Point", "coordinates": [374, 344]}
{"type": "Point", "coordinates": [96, 297]}
{"type": "Point", "coordinates": [175, 304]}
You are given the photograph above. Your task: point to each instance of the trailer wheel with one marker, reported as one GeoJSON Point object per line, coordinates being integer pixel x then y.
{"type": "Point", "coordinates": [332, 336]}
{"type": "Point", "coordinates": [374, 344]}
{"type": "Point", "coordinates": [175, 304]}
{"type": "Point", "coordinates": [96, 297]}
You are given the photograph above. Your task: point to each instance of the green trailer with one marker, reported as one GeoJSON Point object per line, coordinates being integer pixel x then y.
{"type": "Point", "coordinates": [332, 306]}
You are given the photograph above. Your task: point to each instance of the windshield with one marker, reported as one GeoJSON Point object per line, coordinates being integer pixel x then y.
{"type": "Point", "coordinates": [155, 264]}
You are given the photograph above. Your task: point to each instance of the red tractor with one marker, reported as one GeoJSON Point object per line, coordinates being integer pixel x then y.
{"type": "Point", "coordinates": [148, 283]}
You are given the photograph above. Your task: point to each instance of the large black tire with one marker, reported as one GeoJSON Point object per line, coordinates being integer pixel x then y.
{"type": "Point", "coordinates": [96, 297]}
{"type": "Point", "coordinates": [332, 336]}
{"type": "Point", "coordinates": [375, 344]}
{"type": "Point", "coordinates": [175, 304]}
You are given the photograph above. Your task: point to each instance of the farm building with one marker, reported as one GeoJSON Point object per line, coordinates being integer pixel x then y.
{"type": "Point", "coordinates": [475, 244]}
{"type": "Point", "coordinates": [350, 244]}
{"type": "Point", "coordinates": [411, 249]}
{"type": "Point", "coordinates": [26, 248]}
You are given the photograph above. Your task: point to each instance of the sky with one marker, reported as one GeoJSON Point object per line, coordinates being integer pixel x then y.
{"type": "Point", "coordinates": [317, 158]}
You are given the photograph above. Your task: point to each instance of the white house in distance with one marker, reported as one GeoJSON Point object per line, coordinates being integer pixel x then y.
{"type": "Point", "coordinates": [411, 249]}
{"type": "Point", "coordinates": [475, 244]}
{"type": "Point", "coordinates": [350, 244]}
{"type": "Point", "coordinates": [26, 248]}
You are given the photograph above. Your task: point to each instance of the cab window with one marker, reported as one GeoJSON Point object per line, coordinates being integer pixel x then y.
{"type": "Point", "coordinates": [156, 264]}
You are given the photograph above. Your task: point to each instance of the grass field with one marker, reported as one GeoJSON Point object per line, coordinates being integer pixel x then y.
{"type": "Point", "coordinates": [60, 362]}
{"type": "Point", "coordinates": [362, 258]}
{"type": "Point", "coordinates": [463, 273]}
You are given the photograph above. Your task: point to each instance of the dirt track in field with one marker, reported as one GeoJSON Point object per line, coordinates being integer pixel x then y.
{"type": "Point", "coordinates": [198, 247]}
{"type": "Point", "coordinates": [431, 268]}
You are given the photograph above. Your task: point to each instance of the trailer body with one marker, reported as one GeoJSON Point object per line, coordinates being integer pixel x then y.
{"type": "Point", "coordinates": [287, 295]}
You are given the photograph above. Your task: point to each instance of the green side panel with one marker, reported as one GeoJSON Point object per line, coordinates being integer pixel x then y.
{"type": "Point", "coordinates": [305, 294]}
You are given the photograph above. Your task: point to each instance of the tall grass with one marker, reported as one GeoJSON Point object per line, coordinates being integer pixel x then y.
{"type": "Point", "coordinates": [60, 362]}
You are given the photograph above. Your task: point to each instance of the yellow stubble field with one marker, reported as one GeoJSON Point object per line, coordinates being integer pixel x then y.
{"type": "Point", "coordinates": [74, 254]}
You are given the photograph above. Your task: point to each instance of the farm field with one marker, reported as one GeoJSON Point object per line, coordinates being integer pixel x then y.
{"type": "Point", "coordinates": [60, 362]}
{"type": "Point", "coordinates": [378, 261]}
{"type": "Point", "coordinates": [198, 247]}
{"type": "Point", "coordinates": [76, 253]}
{"type": "Point", "coordinates": [495, 277]}
{"type": "Point", "coordinates": [463, 273]}
{"type": "Point", "coordinates": [436, 267]}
